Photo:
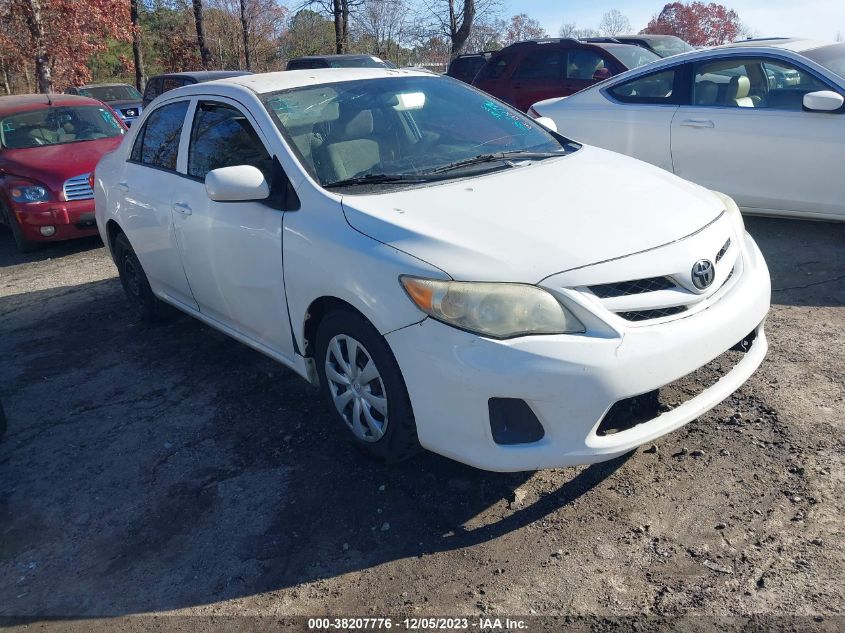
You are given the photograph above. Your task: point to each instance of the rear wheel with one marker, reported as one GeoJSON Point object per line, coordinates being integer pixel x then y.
{"type": "Point", "coordinates": [144, 303]}
{"type": "Point", "coordinates": [363, 387]}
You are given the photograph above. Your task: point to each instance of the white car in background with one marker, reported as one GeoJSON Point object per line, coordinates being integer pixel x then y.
{"type": "Point", "coordinates": [400, 239]}
{"type": "Point", "coordinates": [761, 120]}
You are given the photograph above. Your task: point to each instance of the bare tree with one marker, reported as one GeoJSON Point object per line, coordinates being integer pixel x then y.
{"type": "Point", "coordinates": [339, 10]}
{"type": "Point", "coordinates": [455, 18]}
{"type": "Point", "coordinates": [205, 55]}
{"type": "Point", "coordinates": [43, 66]}
{"type": "Point", "coordinates": [570, 29]}
{"type": "Point", "coordinates": [614, 23]}
{"type": "Point", "coordinates": [839, 37]}
{"type": "Point", "coordinates": [137, 54]}
{"type": "Point", "coordinates": [383, 23]}
{"type": "Point", "coordinates": [245, 34]}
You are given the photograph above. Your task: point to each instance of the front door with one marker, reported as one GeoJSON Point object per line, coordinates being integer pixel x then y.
{"type": "Point", "coordinates": [232, 251]}
{"type": "Point", "coordinates": [747, 135]}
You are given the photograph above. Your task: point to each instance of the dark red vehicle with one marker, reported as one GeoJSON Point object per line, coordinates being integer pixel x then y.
{"type": "Point", "coordinates": [527, 72]}
{"type": "Point", "coordinates": [49, 146]}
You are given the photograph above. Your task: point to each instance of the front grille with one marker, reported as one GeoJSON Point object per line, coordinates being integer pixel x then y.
{"type": "Point", "coordinates": [635, 287]}
{"type": "Point", "coordinates": [656, 313]}
{"type": "Point", "coordinates": [77, 188]}
{"type": "Point", "coordinates": [723, 250]}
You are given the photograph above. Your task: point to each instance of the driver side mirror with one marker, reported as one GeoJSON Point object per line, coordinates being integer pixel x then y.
{"type": "Point", "coordinates": [823, 101]}
{"type": "Point", "coordinates": [240, 183]}
{"type": "Point", "coordinates": [601, 74]}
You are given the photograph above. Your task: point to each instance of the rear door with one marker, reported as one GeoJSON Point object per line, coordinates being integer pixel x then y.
{"type": "Point", "coordinates": [746, 134]}
{"type": "Point", "coordinates": [538, 76]}
{"type": "Point", "coordinates": [146, 191]}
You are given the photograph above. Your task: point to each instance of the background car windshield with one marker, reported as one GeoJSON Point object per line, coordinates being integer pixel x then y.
{"type": "Point", "coordinates": [398, 125]}
{"type": "Point", "coordinates": [670, 45]}
{"type": "Point", "coordinates": [357, 62]}
{"type": "Point", "coordinates": [111, 93]}
{"type": "Point", "coordinates": [58, 125]}
{"type": "Point", "coordinates": [632, 56]}
{"type": "Point", "coordinates": [831, 57]}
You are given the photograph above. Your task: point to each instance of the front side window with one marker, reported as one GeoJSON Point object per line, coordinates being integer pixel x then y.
{"type": "Point", "coordinates": [58, 125]}
{"type": "Point", "coordinates": [654, 88]}
{"type": "Point", "coordinates": [583, 64]}
{"type": "Point", "coordinates": [754, 83]}
{"type": "Point", "coordinates": [157, 144]}
{"type": "Point", "coordinates": [494, 68]}
{"type": "Point", "coordinates": [222, 137]}
{"type": "Point", "coordinates": [401, 126]}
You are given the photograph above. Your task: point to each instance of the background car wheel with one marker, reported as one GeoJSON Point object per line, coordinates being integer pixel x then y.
{"type": "Point", "coordinates": [24, 245]}
{"type": "Point", "coordinates": [147, 306]}
{"type": "Point", "coordinates": [363, 387]}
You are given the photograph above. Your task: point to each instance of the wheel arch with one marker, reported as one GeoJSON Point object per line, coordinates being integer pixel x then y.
{"type": "Point", "coordinates": [316, 312]}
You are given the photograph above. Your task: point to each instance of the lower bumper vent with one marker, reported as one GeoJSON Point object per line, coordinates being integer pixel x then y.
{"type": "Point", "coordinates": [513, 422]}
{"type": "Point", "coordinates": [658, 313]}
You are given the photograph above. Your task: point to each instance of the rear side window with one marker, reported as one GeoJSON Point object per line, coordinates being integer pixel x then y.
{"type": "Point", "coordinates": [157, 144]}
{"type": "Point", "coordinates": [494, 68]}
{"type": "Point", "coordinates": [654, 88]}
{"type": "Point", "coordinates": [153, 89]}
{"type": "Point", "coordinates": [222, 137]}
{"type": "Point", "coordinates": [544, 64]}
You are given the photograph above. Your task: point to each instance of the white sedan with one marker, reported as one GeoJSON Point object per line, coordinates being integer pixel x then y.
{"type": "Point", "coordinates": [762, 121]}
{"type": "Point", "coordinates": [400, 240]}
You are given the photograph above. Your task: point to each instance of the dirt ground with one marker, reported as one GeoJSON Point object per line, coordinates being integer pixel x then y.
{"type": "Point", "coordinates": [151, 469]}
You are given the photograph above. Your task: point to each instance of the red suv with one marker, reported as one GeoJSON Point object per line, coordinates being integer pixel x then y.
{"type": "Point", "coordinates": [49, 146]}
{"type": "Point", "coordinates": [527, 72]}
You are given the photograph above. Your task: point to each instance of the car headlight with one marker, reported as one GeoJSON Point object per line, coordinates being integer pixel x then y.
{"type": "Point", "coordinates": [29, 193]}
{"type": "Point", "coordinates": [733, 212]}
{"type": "Point", "coordinates": [497, 310]}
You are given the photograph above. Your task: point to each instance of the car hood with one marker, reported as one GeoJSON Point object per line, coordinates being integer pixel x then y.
{"type": "Point", "coordinates": [52, 165]}
{"type": "Point", "coordinates": [526, 223]}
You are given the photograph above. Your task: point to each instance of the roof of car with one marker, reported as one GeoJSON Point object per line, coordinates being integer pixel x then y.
{"type": "Point", "coordinates": [23, 103]}
{"type": "Point", "coordinates": [795, 44]}
{"type": "Point", "coordinates": [262, 83]}
{"type": "Point", "coordinates": [646, 37]}
{"type": "Point", "coordinates": [104, 85]}
{"type": "Point", "coordinates": [344, 56]}
{"type": "Point", "coordinates": [208, 75]}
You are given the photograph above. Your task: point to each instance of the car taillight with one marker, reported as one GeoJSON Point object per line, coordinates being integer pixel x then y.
{"type": "Point", "coordinates": [91, 180]}
{"type": "Point", "coordinates": [533, 113]}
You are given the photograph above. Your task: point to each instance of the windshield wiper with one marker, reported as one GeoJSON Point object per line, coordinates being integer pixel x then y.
{"type": "Point", "coordinates": [376, 179]}
{"type": "Point", "coordinates": [489, 158]}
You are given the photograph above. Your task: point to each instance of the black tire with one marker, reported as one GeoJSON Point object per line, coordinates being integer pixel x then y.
{"type": "Point", "coordinates": [144, 303]}
{"type": "Point", "coordinates": [24, 245]}
{"type": "Point", "coordinates": [399, 440]}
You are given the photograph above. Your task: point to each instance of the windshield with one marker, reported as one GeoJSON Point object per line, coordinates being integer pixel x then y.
{"type": "Point", "coordinates": [400, 126]}
{"type": "Point", "coordinates": [831, 57]}
{"type": "Point", "coordinates": [58, 125]}
{"type": "Point", "coordinates": [670, 45]}
{"type": "Point", "coordinates": [632, 56]}
{"type": "Point", "coordinates": [110, 93]}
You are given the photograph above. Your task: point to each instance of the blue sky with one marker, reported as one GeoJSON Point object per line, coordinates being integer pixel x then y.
{"type": "Point", "coordinates": [817, 19]}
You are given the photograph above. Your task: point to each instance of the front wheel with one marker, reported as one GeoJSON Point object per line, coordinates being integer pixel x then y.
{"type": "Point", "coordinates": [145, 304]}
{"type": "Point", "coordinates": [24, 245]}
{"type": "Point", "coordinates": [363, 387]}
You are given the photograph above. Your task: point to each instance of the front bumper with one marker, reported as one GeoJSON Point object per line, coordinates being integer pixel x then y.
{"type": "Point", "coordinates": [70, 219]}
{"type": "Point", "coordinates": [571, 381]}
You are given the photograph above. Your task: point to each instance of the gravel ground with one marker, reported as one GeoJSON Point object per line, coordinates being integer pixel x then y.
{"type": "Point", "coordinates": [169, 469]}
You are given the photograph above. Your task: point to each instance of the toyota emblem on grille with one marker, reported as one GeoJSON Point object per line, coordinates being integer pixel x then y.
{"type": "Point", "coordinates": [703, 273]}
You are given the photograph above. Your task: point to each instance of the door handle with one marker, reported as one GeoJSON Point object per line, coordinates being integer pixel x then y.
{"type": "Point", "coordinates": [123, 186]}
{"type": "Point", "coordinates": [181, 207]}
{"type": "Point", "coordinates": [703, 123]}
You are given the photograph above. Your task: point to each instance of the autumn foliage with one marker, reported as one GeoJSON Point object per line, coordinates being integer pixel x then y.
{"type": "Point", "coordinates": [58, 37]}
{"type": "Point", "coordinates": [699, 23]}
